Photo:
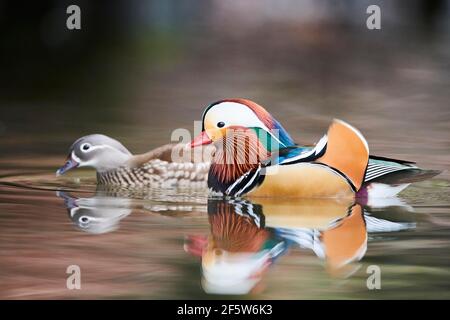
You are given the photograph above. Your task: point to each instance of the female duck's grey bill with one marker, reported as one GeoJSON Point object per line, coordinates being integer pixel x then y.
{"type": "Point", "coordinates": [70, 164]}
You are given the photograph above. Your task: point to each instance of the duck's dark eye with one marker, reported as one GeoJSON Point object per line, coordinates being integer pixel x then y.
{"type": "Point", "coordinates": [85, 147]}
{"type": "Point", "coordinates": [220, 124]}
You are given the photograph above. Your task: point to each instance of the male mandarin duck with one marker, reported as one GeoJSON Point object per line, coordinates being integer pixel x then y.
{"type": "Point", "coordinates": [115, 165]}
{"type": "Point", "coordinates": [255, 156]}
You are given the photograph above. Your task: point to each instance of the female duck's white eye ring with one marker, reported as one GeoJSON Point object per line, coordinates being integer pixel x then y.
{"type": "Point", "coordinates": [83, 222]}
{"type": "Point", "coordinates": [85, 147]}
{"type": "Point", "coordinates": [84, 219]}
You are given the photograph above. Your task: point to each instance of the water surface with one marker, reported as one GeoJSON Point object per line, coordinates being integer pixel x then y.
{"type": "Point", "coordinates": [178, 244]}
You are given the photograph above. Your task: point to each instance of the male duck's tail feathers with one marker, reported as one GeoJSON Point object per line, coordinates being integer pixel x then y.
{"type": "Point", "coordinates": [405, 176]}
{"type": "Point", "coordinates": [393, 171]}
{"type": "Point", "coordinates": [347, 152]}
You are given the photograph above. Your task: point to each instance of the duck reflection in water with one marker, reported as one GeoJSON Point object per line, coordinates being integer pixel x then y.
{"type": "Point", "coordinates": [97, 214]}
{"type": "Point", "coordinates": [102, 212]}
{"type": "Point", "coordinates": [246, 238]}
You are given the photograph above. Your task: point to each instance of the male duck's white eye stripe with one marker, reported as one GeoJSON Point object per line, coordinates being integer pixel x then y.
{"type": "Point", "coordinates": [233, 114]}
{"type": "Point", "coordinates": [206, 111]}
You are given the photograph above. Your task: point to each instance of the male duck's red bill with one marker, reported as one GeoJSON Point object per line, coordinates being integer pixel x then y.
{"type": "Point", "coordinates": [201, 139]}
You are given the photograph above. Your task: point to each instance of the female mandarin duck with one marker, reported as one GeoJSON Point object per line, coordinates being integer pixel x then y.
{"type": "Point", "coordinates": [255, 156]}
{"type": "Point", "coordinates": [117, 166]}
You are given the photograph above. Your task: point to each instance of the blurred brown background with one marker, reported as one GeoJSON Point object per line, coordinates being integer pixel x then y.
{"type": "Point", "coordinates": [138, 69]}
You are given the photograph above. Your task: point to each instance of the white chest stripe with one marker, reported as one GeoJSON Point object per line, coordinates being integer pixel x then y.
{"type": "Point", "coordinates": [250, 182]}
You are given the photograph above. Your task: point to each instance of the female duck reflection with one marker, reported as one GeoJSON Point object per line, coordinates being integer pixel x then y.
{"type": "Point", "coordinates": [246, 238]}
{"type": "Point", "coordinates": [98, 214]}
{"type": "Point", "coordinates": [103, 212]}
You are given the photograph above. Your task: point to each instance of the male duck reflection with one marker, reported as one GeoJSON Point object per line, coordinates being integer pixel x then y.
{"type": "Point", "coordinates": [254, 155]}
{"type": "Point", "coordinates": [246, 238]}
